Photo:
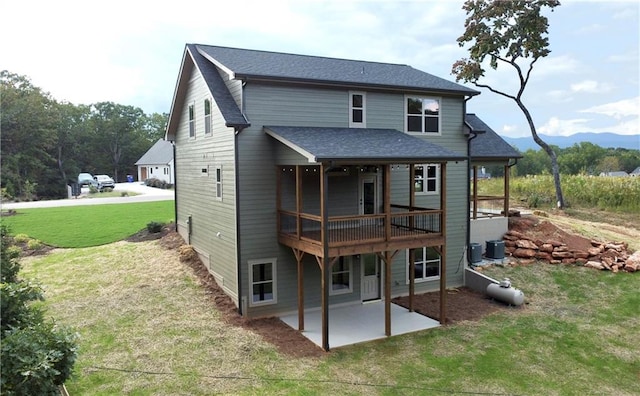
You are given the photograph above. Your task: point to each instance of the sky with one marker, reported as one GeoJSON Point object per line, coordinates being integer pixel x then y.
{"type": "Point", "coordinates": [129, 52]}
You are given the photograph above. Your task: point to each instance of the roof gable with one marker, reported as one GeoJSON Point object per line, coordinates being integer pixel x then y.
{"type": "Point", "coordinates": [253, 64]}
{"type": "Point", "coordinates": [160, 153]}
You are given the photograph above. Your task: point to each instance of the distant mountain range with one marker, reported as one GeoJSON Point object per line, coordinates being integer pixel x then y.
{"type": "Point", "coordinates": [606, 140]}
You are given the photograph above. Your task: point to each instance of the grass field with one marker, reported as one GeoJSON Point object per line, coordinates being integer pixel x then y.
{"type": "Point", "coordinates": [90, 225]}
{"type": "Point", "coordinates": [148, 328]}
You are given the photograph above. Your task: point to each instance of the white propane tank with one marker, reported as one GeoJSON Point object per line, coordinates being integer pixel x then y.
{"type": "Point", "coordinates": [504, 292]}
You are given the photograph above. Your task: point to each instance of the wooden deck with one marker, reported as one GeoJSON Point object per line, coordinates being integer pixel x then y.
{"type": "Point", "coordinates": [348, 235]}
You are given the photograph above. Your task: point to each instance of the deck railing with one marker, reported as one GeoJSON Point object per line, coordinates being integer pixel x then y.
{"type": "Point", "coordinates": [359, 229]}
{"type": "Point", "coordinates": [487, 206]}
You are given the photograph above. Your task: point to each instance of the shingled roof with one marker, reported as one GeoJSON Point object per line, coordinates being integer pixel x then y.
{"type": "Point", "coordinates": [160, 153]}
{"type": "Point", "coordinates": [487, 145]}
{"type": "Point", "coordinates": [362, 145]}
{"type": "Point", "coordinates": [253, 64]}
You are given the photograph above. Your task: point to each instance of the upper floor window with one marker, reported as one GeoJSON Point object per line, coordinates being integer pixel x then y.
{"type": "Point", "coordinates": [207, 117]}
{"type": "Point", "coordinates": [426, 264]}
{"type": "Point", "coordinates": [357, 110]}
{"type": "Point", "coordinates": [423, 114]}
{"type": "Point", "coordinates": [192, 125]}
{"type": "Point", "coordinates": [262, 277]}
{"type": "Point", "coordinates": [427, 179]}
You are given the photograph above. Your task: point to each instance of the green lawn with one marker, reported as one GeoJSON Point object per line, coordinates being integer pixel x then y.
{"type": "Point", "coordinates": [88, 225]}
{"type": "Point", "coordinates": [148, 328]}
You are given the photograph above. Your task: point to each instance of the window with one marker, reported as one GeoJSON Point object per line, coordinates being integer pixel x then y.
{"type": "Point", "coordinates": [357, 107]}
{"type": "Point", "coordinates": [207, 117]}
{"type": "Point", "coordinates": [262, 276]}
{"type": "Point", "coordinates": [427, 179]}
{"type": "Point", "coordinates": [423, 115]}
{"type": "Point", "coordinates": [192, 125]}
{"type": "Point", "coordinates": [219, 183]}
{"type": "Point", "coordinates": [341, 279]}
{"type": "Point", "coordinates": [427, 264]}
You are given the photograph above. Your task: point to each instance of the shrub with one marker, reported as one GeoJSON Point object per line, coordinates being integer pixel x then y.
{"type": "Point", "coordinates": [107, 189]}
{"type": "Point", "coordinates": [93, 189]}
{"type": "Point", "coordinates": [153, 182]}
{"type": "Point", "coordinates": [154, 227]}
{"type": "Point", "coordinates": [34, 244]}
{"type": "Point", "coordinates": [37, 356]}
{"type": "Point", "coordinates": [21, 238]}
{"type": "Point", "coordinates": [124, 194]}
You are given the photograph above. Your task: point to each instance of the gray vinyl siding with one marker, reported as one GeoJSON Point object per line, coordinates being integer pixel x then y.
{"type": "Point", "coordinates": [196, 190]}
{"type": "Point", "coordinates": [258, 155]}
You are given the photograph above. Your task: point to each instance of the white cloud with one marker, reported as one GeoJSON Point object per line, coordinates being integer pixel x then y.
{"type": "Point", "coordinates": [591, 86]}
{"type": "Point", "coordinates": [620, 109]}
{"type": "Point", "coordinates": [563, 64]}
{"type": "Point", "coordinates": [557, 127]}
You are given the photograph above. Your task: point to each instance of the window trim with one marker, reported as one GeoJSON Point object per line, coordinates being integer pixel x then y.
{"type": "Point", "coordinates": [426, 179]}
{"type": "Point", "coordinates": [352, 123]}
{"type": "Point", "coordinates": [422, 115]}
{"type": "Point", "coordinates": [218, 182]}
{"type": "Point", "coordinates": [427, 278]}
{"type": "Point", "coordinates": [274, 300]}
{"type": "Point", "coordinates": [349, 262]}
{"type": "Point", "coordinates": [192, 120]}
{"type": "Point", "coordinates": [208, 130]}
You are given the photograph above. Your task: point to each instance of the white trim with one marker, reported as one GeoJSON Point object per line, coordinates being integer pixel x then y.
{"type": "Point", "coordinates": [406, 115]}
{"type": "Point", "coordinates": [191, 122]}
{"type": "Point", "coordinates": [218, 190]}
{"type": "Point", "coordinates": [428, 278]}
{"type": "Point", "coordinates": [274, 288]}
{"type": "Point", "coordinates": [207, 118]}
{"type": "Point", "coordinates": [425, 179]}
{"type": "Point", "coordinates": [353, 124]}
{"type": "Point", "coordinates": [348, 260]}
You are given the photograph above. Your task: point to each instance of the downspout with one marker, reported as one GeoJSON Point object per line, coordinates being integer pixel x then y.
{"type": "Point", "coordinates": [175, 187]}
{"type": "Point", "coordinates": [237, 205]}
{"type": "Point", "coordinates": [473, 136]}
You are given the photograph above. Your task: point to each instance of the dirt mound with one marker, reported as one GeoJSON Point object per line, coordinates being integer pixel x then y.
{"type": "Point", "coordinates": [542, 230]}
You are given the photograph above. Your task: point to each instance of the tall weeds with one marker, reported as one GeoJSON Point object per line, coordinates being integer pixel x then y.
{"type": "Point", "coordinates": [620, 194]}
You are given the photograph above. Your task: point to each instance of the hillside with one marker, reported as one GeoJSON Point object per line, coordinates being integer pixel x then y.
{"type": "Point", "coordinates": [606, 140]}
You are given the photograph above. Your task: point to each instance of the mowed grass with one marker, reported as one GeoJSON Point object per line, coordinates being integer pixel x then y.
{"type": "Point", "coordinates": [90, 225]}
{"type": "Point", "coordinates": [148, 328]}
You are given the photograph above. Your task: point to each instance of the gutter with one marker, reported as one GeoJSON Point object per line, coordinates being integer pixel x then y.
{"type": "Point", "coordinates": [473, 136]}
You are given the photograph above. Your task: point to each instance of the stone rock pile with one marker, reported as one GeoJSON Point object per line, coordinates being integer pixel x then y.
{"type": "Point", "coordinates": [612, 256]}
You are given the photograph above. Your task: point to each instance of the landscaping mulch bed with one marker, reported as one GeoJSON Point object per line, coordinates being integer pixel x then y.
{"type": "Point", "coordinates": [462, 304]}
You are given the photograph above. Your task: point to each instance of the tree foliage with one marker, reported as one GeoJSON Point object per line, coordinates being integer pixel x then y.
{"type": "Point", "coordinates": [514, 34]}
{"type": "Point", "coordinates": [46, 143]}
{"type": "Point", "coordinates": [37, 356]}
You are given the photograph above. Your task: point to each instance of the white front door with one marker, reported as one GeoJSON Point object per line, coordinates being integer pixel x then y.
{"type": "Point", "coordinates": [370, 276]}
{"type": "Point", "coordinates": [369, 262]}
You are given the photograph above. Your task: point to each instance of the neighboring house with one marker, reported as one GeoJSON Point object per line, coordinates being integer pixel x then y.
{"type": "Point", "coordinates": [614, 174]}
{"type": "Point", "coordinates": [636, 172]}
{"type": "Point", "coordinates": [306, 183]}
{"type": "Point", "coordinates": [157, 162]}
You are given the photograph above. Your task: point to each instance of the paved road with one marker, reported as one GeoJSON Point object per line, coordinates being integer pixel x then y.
{"type": "Point", "coordinates": [146, 194]}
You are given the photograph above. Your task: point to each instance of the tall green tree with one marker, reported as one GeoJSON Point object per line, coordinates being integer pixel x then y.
{"type": "Point", "coordinates": [514, 34]}
{"type": "Point", "coordinates": [581, 158]}
{"type": "Point", "coordinates": [115, 127]}
{"type": "Point", "coordinates": [28, 126]}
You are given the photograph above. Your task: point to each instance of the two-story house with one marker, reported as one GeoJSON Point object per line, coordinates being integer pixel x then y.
{"type": "Point", "coordinates": [308, 183]}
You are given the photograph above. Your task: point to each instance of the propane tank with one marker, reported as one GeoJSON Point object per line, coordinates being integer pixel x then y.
{"type": "Point", "coordinates": [504, 292]}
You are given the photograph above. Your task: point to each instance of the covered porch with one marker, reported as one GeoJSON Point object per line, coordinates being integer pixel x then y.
{"type": "Point", "coordinates": [354, 324]}
{"type": "Point", "coordinates": [340, 204]}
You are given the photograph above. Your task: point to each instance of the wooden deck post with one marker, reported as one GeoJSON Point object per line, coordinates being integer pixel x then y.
{"type": "Point", "coordinates": [412, 261]}
{"type": "Point", "coordinates": [387, 292]}
{"type": "Point", "coordinates": [475, 192]}
{"type": "Point", "coordinates": [324, 270]}
{"type": "Point", "coordinates": [412, 278]}
{"type": "Point", "coordinates": [506, 191]}
{"type": "Point", "coordinates": [443, 248]}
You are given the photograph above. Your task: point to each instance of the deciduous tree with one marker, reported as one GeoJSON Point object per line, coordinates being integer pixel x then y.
{"type": "Point", "coordinates": [511, 33]}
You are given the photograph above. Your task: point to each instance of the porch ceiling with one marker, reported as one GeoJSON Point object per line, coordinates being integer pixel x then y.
{"type": "Point", "coordinates": [360, 145]}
